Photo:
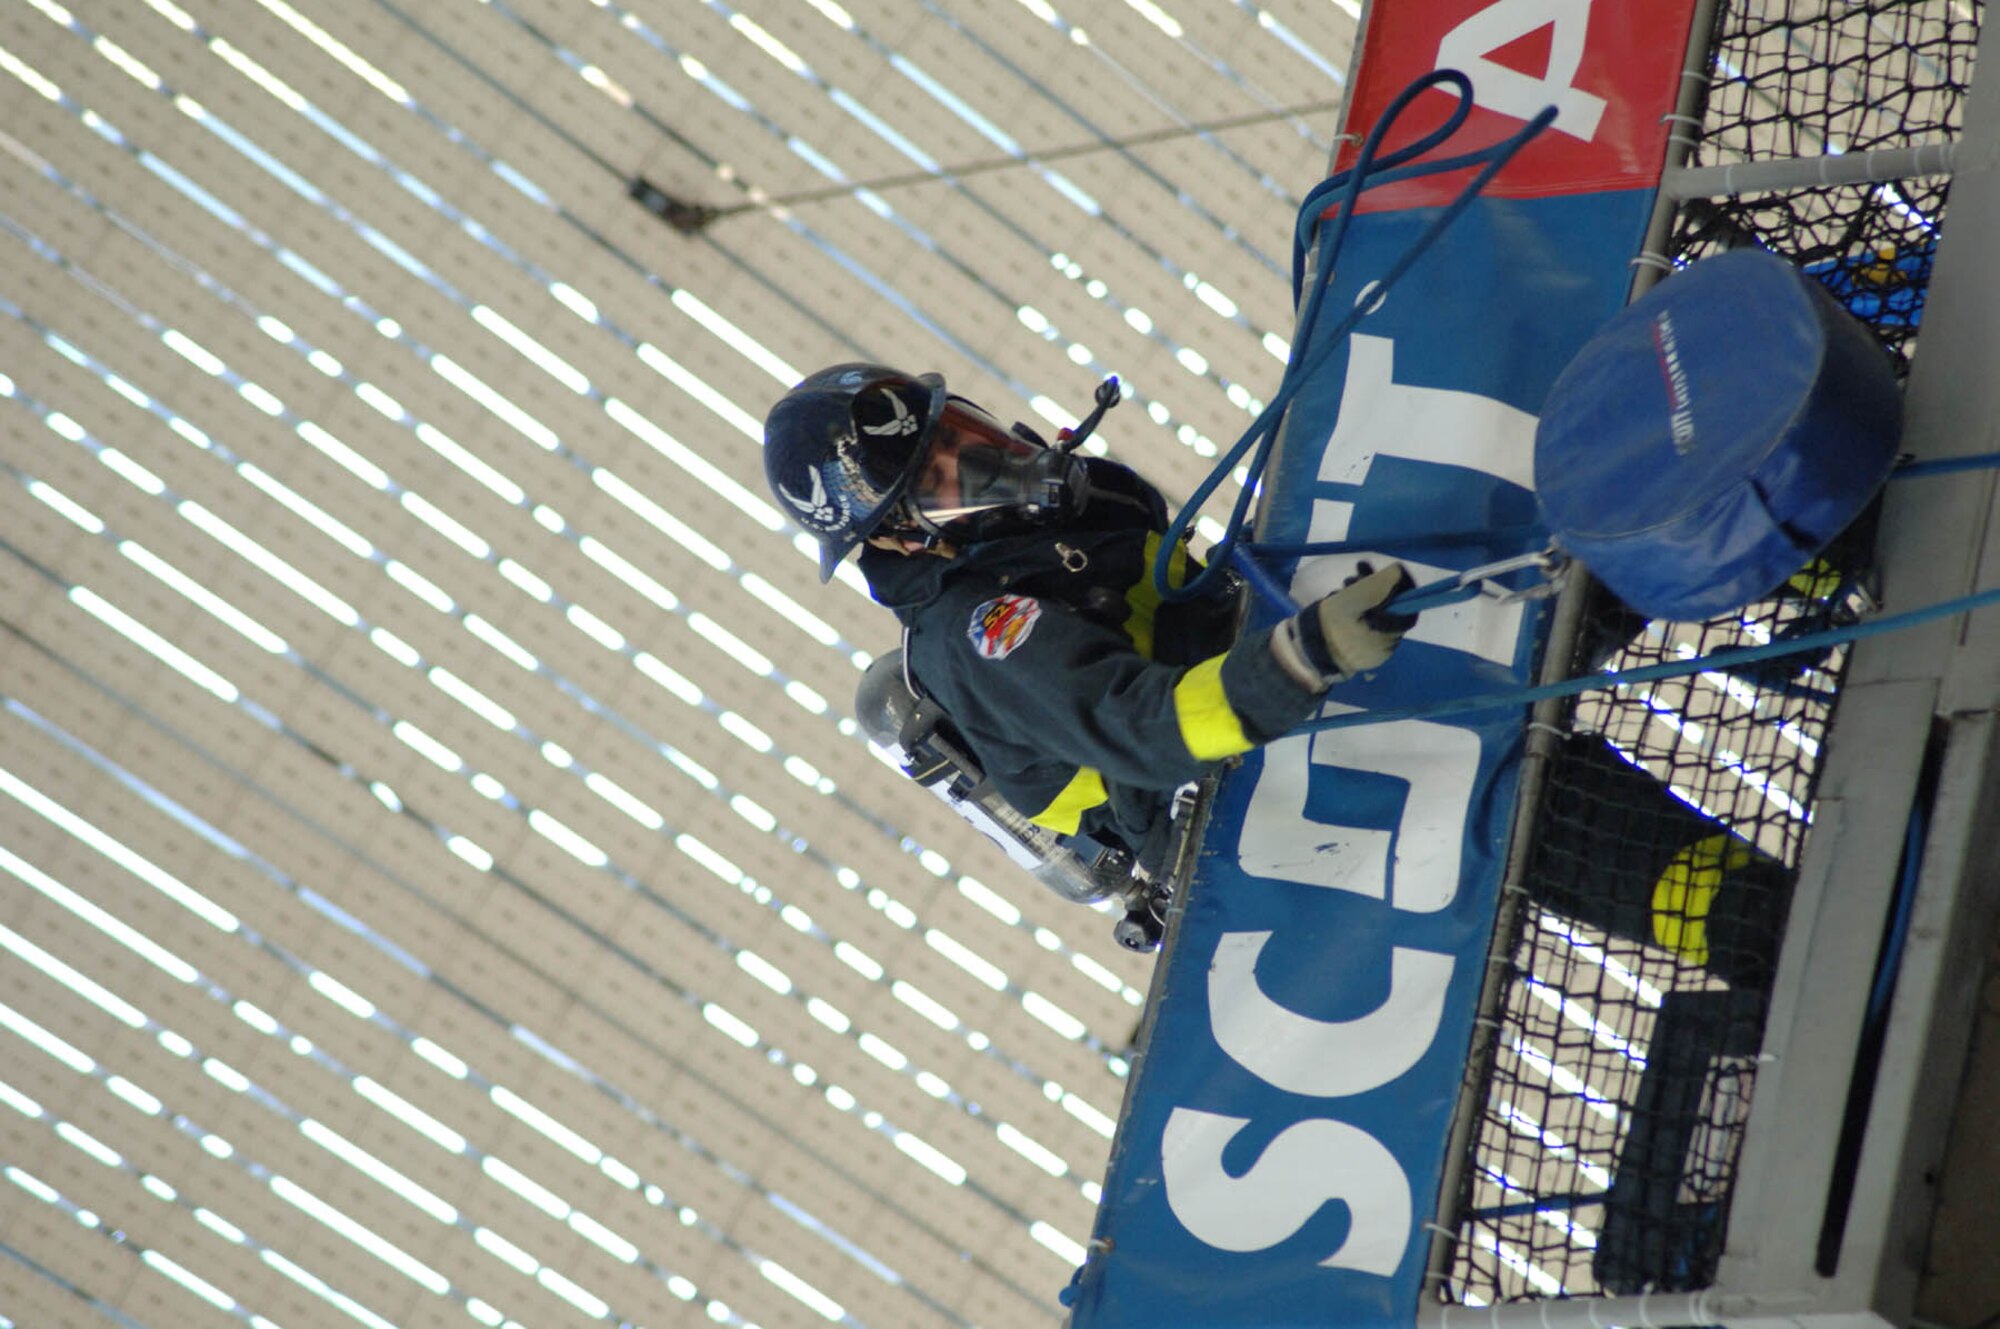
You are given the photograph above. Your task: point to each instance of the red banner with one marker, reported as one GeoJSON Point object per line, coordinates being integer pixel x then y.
{"type": "Point", "coordinates": [1606, 65]}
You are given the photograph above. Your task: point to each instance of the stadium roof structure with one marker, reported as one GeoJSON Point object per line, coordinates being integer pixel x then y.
{"type": "Point", "coordinates": [444, 877]}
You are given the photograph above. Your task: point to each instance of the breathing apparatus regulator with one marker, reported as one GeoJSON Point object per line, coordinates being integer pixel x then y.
{"type": "Point", "coordinates": [971, 478]}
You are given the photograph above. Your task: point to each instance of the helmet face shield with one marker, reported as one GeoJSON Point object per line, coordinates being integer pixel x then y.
{"type": "Point", "coordinates": [973, 467]}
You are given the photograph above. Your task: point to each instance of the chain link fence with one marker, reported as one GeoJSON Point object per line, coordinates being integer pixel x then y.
{"type": "Point", "coordinates": [1636, 960]}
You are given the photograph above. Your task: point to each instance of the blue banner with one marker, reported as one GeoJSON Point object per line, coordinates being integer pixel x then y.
{"type": "Point", "coordinates": [1283, 1143]}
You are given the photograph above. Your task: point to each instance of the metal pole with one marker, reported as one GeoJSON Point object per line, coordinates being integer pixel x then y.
{"type": "Point", "coordinates": [1840, 168]}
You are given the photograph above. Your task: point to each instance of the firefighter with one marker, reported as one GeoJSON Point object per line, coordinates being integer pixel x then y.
{"type": "Point", "coordinates": [1021, 574]}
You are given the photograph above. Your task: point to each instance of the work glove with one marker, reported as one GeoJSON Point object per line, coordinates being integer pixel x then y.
{"type": "Point", "coordinates": [1346, 633]}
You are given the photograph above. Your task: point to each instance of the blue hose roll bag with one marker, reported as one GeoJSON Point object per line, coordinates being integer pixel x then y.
{"type": "Point", "coordinates": [1715, 435]}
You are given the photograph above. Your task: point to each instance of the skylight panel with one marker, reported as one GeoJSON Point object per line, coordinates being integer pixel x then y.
{"type": "Point", "coordinates": [256, 554]}
{"type": "Point", "coordinates": [1269, 22]}
{"type": "Point", "coordinates": [694, 386]}
{"type": "Point", "coordinates": [1214, 298]}
{"type": "Point", "coordinates": [428, 747]}
{"type": "Point", "coordinates": [231, 1079]}
{"type": "Point", "coordinates": [732, 1026]}
{"type": "Point", "coordinates": [709, 858]}
{"type": "Point", "coordinates": [742, 499]}
{"type": "Point", "coordinates": [1063, 185]}
{"type": "Point", "coordinates": [73, 511]}
{"type": "Point", "coordinates": [973, 963]}
{"type": "Point", "coordinates": [858, 960]}
{"type": "Point", "coordinates": [730, 644]}
{"type": "Point", "coordinates": [444, 523]}
{"type": "Point", "coordinates": [1083, 1111]}
{"type": "Point", "coordinates": [572, 299]}
{"type": "Point", "coordinates": [764, 972]}
{"type": "Point", "coordinates": [469, 462]}
{"type": "Point", "coordinates": [410, 1115]}
{"type": "Point", "coordinates": [526, 1187]}
{"type": "Point", "coordinates": [1054, 1016]}
{"type": "Point", "coordinates": [590, 625]}
{"type": "Point", "coordinates": [339, 50]}
{"type": "Point", "coordinates": [625, 801]}
{"type": "Point", "coordinates": [1033, 1150]}
{"type": "Point", "coordinates": [829, 1015]}
{"type": "Point", "coordinates": [377, 1171]}
{"type": "Point", "coordinates": [110, 925]}
{"type": "Point", "coordinates": [300, 506]}
{"type": "Point", "coordinates": [833, 14]}
{"type": "Point", "coordinates": [883, 130]}
{"type": "Point", "coordinates": [566, 839]}
{"type": "Point", "coordinates": [256, 73]}
{"type": "Point", "coordinates": [669, 678]}
{"type": "Point", "coordinates": [746, 732]}
{"type": "Point", "coordinates": [932, 1158]}
{"type": "Point", "coordinates": [42, 86]}
{"type": "Point", "coordinates": [768, 44]}
{"type": "Point", "coordinates": [753, 812]}
{"type": "Point", "coordinates": [500, 406]}
{"type": "Point", "coordinates": [575, 1294]}
{"type": "Point", "coordinates": [1158, 17]}
{"type": "Point", "coordinates": [742, 342]}
{"type": "Point", "coordinates": [808, 700]}
{"type": "Point", "coordinates": [548, 361]}
{"type": "Point", "coordinates": [925, 1005]}
{"type": "Point", "coordinates": [1057, 1242]}
{"type": "Point", "coordinates": [663, 521]}
{"type": "Point", "coordinates": [83, 985]}
{"type": "Point", "coordinates": [366, 1238]}
{"type": "Point", "coordinates": [951, 101]}
{"type": "Point", "coordinates": [342, 455]}
{"type": "Point", "coordinates": [472, 699]}
{"type": "Point", "coordinates": [192, 351]}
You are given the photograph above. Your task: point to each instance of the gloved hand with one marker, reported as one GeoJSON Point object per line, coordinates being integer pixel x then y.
{"type": "Point", "coordinates": [1347, 632]}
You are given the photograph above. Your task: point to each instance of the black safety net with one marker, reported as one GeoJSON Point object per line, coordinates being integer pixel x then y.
{"type": "Point", "coordinates": [1612, 1075]}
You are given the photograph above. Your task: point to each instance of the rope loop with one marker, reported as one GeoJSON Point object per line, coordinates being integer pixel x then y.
{"type": "Point", "coordinates": [1333, 200]}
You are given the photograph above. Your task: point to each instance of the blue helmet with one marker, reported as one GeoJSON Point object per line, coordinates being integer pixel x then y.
{"type": "Point", "coordinates": [841, 447]}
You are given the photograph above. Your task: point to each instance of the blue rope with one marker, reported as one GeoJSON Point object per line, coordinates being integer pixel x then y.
{"type": "Point", "coordinates": [1979, 461]}
{"type": "Point", "coordinates": [1722, 661]}
{"type": "Point", "coordinates": [1884, 987]}
{"type": "Point", "coordinates": [1313, 348]}
{"type": "Point", "coordinates": [1544, 1204]}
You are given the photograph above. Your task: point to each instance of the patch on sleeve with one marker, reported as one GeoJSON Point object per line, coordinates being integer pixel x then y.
{"type": "Point", "coordinates": [1001, 625]}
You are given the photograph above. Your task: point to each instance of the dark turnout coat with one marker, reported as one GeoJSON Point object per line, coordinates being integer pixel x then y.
{"type": "Point", "coordinates": [1086, 699]}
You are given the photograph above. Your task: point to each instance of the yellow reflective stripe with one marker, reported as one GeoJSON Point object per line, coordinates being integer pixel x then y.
{"type": "Point", "coordinates": [1064, 813]}
{"type": "Point", "coordinates": [1686, 892]}
{"type": "Point", "coordinates": [1208, 722]}
{"type": "Point", "coordinates": [1143, 600]}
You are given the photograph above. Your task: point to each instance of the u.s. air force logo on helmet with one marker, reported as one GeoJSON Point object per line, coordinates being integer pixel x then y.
{"type": "Point", "coordinates": [817, 508]}
{"type": "Point", "coordinates": [1001, 625]}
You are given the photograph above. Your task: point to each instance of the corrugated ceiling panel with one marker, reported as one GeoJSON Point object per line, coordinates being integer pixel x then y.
{"type": "Point", "coordinates": [441, 882]}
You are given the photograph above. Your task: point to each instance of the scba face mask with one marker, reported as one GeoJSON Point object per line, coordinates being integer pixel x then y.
{"type": "Point", "coordinates": [973, 472]}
